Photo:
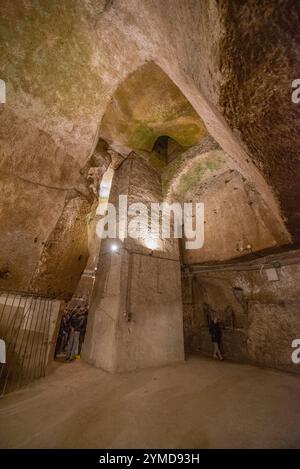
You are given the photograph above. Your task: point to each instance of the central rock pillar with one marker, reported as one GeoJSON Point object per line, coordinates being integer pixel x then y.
{"type": "Point", "coordinates": [135, 318]}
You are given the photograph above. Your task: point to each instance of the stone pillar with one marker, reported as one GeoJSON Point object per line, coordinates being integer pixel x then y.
{"type": "Point", "coordinates": [135, 317]}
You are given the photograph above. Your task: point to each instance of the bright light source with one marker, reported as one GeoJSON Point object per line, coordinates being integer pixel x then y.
{"type": "Point", "coordinates": [114, 247]}
{"type": "Point", "coordinates": [104, 191]}
{"type": "Point", "coordinates": [151, 244]}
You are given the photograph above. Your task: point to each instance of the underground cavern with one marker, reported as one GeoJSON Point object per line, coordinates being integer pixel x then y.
{"type": "Point", "coordinates": [181, 335]}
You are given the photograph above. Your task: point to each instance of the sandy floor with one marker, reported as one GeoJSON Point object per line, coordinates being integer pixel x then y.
{"type": "Point", "coordinates": [198, 404]}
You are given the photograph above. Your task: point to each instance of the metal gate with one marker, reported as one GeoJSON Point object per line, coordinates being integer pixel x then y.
{"type": "Point", "coordinates": [27, 325]}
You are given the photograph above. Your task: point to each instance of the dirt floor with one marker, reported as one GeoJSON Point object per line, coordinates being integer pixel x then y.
{"type": "Point", "coordinates": [197, 404]}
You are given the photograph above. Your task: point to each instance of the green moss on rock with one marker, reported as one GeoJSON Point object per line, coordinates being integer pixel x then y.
{"type": "Point", "coordinates": [48, 53]}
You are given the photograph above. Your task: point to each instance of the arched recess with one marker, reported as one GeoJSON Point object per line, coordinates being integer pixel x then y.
{"type": "Point", "coordinates": [238, 219]}
{"type": "Point", "coordinates": [228, 139]}
{"type": "Point", "coordinates": [157, 100]}
{"type": "Point", "coordinates": [136, 311]}
{"type": "Point", "coordinates": [145, 106]}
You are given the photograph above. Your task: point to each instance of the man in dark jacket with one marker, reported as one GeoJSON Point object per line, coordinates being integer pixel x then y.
{"type": "Point", "coordinates": [215, 333]}
{"type": "Point", "coordinates": [77, 322]}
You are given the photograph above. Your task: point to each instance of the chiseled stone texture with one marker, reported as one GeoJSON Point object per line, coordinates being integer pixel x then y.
{"type": "Point", "coordinates": [259, 58]}
{"type": "Point", "coordinates": [63, 62]}
{"type": "Point", "coordinates": [46, 209]}
{"type": "Point", "coordinates": [135, 317]}
{"type": "Point", "coordinates": [260, 318]}
{"type": "Point", "coordinates": [238, 219]}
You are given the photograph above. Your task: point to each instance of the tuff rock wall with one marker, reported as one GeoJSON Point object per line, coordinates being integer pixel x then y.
{"type": "Point", "coordinates": [259, 317]}
{"type": "Point", "coordinates": [63, 62]}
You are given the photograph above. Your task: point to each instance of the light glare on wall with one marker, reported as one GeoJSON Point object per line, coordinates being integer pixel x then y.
{"type": "Point", "coordinates": [151, 244]}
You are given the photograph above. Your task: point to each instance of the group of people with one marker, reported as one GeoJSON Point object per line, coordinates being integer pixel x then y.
{"type": "Point", "coordinates": [73, 327]}
{"type": "Point", "coordinates": [72, 332]}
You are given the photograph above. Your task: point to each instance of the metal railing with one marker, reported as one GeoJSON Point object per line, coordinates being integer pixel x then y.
{"type": "Point", "coordinates": [26, 328]}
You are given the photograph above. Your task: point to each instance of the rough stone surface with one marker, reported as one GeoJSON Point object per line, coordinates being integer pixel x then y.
{"type": "Point", "coordinates": [260, 318]}
{"type": "Point", "coordinates": [64, 63]}
{"type": "Point", "coordinates": [216, 74]}
{"type": "Point", "coordinates": [259, 59]}
{"type": "Point", "coordinates": [135, 318]}
{"type": "Point", "coordinates": [238, 219]}
{"type": "Point", "coordinates": [147, 105]}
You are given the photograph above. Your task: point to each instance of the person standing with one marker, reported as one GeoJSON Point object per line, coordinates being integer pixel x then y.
{"type": "Point", "coordinates": [77, 331]}
{"type": "Point", "coordinates": [216, 334]}
{"type": "Point", "coordinates": [74, 335]}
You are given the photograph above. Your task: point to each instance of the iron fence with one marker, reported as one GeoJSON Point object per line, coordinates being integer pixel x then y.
{"type": "Point", "coordinates": [27, 324]}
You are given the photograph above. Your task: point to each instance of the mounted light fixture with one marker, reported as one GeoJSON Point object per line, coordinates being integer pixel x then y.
{"type": "Point", "coordinates": [114, 248]}
{"type": "Point", "coordinates": [151, 244]}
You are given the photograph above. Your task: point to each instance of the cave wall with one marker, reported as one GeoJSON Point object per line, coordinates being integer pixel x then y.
{"type": "Point", "coordinates": [62, 64]}
{"type": "Point", "coordinates": [260, 318]}
{"type": "Point", "coordinates": [259, 59]}
{"type": "Point", "coordinates": [237, 218]}
{"type": "Point", "coordinates": [146, 105]}
{"type": "Point", "coordinates": [47, 206]}
{"type": "Point", "coordinates": [237, 221]}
